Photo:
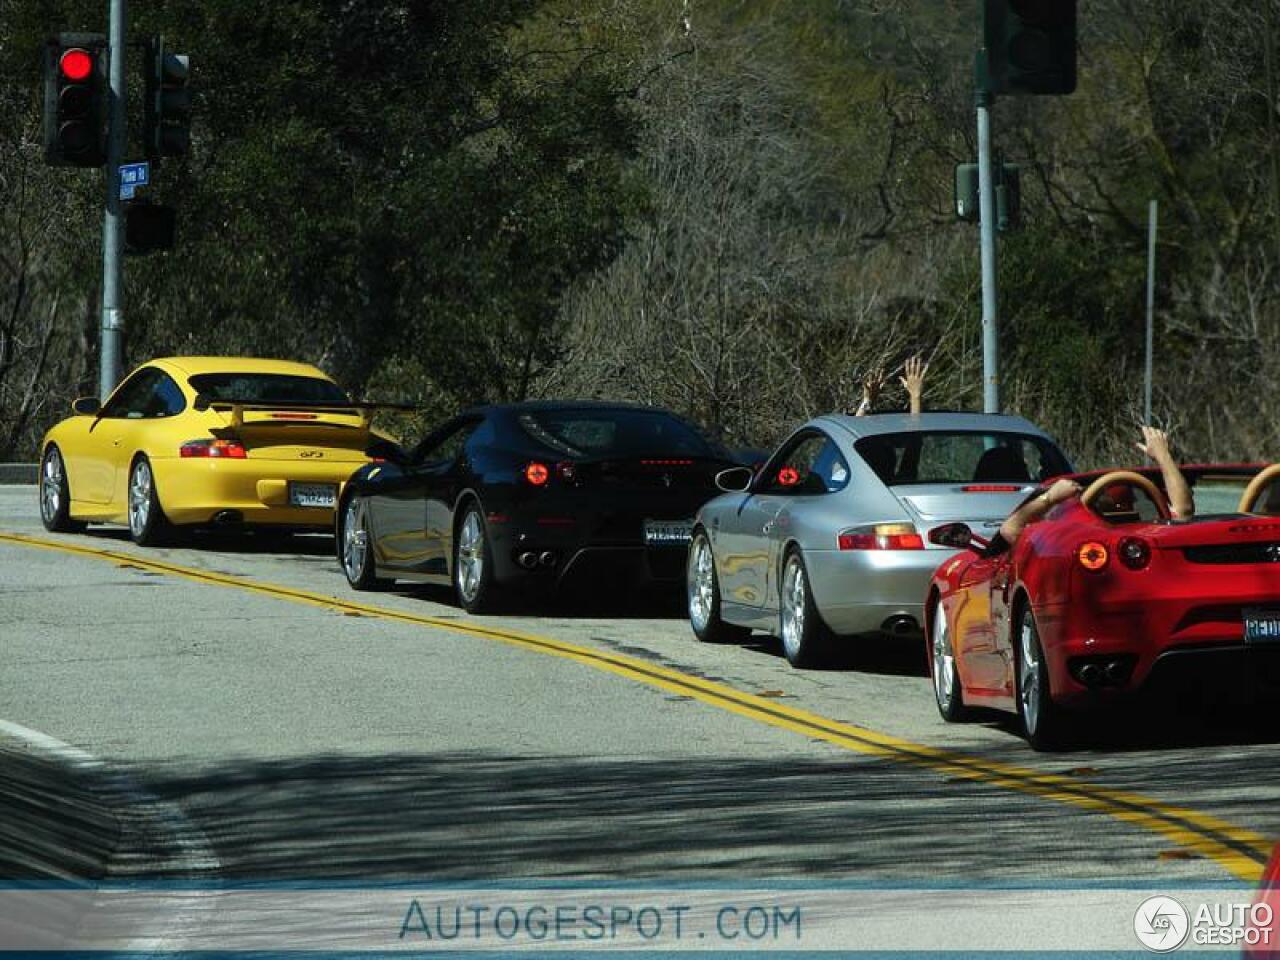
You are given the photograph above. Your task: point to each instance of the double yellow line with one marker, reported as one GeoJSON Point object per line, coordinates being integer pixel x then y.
{"type": "Point", "coordinates": [1241, 852]}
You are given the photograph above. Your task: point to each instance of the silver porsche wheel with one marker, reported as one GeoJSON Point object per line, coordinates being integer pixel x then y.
{"type": "Point", "coordinates": [802, 631]}
{"type": "Point", "coordinates": [702, 585]}
{"type": "Point", "coordinates": [470, 572]}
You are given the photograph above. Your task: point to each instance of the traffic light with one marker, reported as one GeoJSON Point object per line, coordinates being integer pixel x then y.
{"type": "Point", "coordinates": [148, 227]}
{"type": "Point", "coordinates": [1008, 193]}
{"type": "Point", "coordinates": [75, 100]}
{"type": "Point", "coordinates": [167, 127]}
{"type": "Point", "coordinates": [1030, 46]}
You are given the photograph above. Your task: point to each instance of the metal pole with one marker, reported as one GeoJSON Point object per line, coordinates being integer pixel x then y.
{"type": "Point", "coordinates": [113, 222]}
{"type": "Point", "coordinates": [987, 229]}
{"type": "Point", "coordinates": [1152, 224]}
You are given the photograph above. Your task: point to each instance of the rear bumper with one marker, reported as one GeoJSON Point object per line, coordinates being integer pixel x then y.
{"type": "Point", "coordinates": [194, 491]}
{"type": "Point", "coordinates": [859, 591]}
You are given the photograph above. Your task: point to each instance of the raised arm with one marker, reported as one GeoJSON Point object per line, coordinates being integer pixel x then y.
{"type": "Point", "coordinates": [872, 384]}
{"type": "Point", "coordinates": [1155, 444]}
{"type": "Point", "coordinates": [1036, 508]}
{"type": "Point", "coordinates": [912, 380]}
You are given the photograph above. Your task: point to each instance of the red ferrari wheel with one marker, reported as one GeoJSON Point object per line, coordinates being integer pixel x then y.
{"type": "Point", "coordinates": [1041, 717]}
{"type": "Point", "coordinates": [942, 661]}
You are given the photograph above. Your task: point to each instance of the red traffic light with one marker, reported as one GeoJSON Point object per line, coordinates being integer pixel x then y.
{"type": "Point", "coordinates": [76, 64]}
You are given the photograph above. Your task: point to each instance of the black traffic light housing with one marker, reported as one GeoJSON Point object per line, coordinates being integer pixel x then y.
{"type": "Point", "coordinates": [1008, 191]}
{"type": "Point", "coordinates": [148, 227]}
{"type": "Point", "coordinates": [76, 98]}
{"type": "Point", "coordinates": [167, 108]}
{"type": "Point", "coordinates": [1030, 46]}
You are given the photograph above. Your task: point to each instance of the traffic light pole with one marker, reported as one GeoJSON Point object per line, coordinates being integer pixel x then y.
{"type": "Point", "coordinates": [987, 229]}
{"type": "Point", "coordinates": [109, 371]}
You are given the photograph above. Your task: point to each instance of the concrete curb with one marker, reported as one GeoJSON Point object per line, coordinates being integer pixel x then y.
{"type": "Point", "coordinates": [19, 472]}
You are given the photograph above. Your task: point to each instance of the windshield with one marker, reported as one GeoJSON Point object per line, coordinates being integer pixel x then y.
{"type": "Point", "coordinates": [266, 388]}
{"type": "Point", "coordinates": [611, 433]}
{"type": "Point", "coordinates": [956, 456]}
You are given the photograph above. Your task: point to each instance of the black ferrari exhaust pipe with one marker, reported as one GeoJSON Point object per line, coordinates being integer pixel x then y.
{"type": "Point", "coordinates": [528, 559]}
{"type": "Point", "coordinates": [1092, 675]}
{"type": "Point", "coordinates": [1117, 672]}
{"type": "Point", "coordinates": [547, 558]}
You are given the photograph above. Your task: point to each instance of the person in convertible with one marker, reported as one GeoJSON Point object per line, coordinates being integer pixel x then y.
{"type": "Point", "coordinates": [1116, 501]}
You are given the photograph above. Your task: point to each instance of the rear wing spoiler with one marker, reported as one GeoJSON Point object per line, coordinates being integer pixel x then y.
{"type": "Point", "coordinates": [365, 408]}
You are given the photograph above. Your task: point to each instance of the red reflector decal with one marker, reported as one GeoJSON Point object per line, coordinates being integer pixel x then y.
{"type": "Point", "coordinates": [555, 521]}
{"type": "Point", "coordinates": [295, 416]}
{"type": "Point", "coordinates": [991, 488]}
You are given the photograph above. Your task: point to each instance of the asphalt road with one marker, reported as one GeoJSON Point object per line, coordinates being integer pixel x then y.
{"type": "Point", "coordinates": [302, 741]}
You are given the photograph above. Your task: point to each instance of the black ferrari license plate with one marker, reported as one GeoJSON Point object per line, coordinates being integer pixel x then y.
{"type": "Point", "coordinates": [1261, 627]}
{"type": "Point", "coordinates": [667, 533]}
{"type": "Point", "coordinates": [313, 494]}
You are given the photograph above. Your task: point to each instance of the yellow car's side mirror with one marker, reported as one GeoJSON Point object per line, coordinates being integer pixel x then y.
{"type": "Point", "coordinates": [86, 406]}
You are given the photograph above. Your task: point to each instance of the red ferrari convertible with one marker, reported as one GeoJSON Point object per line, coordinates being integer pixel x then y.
{"type": "Point", "coordinates": [1104, 594]}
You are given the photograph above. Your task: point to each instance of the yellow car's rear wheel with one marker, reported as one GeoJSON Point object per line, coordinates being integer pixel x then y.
{"type": "Point", "coordinates": [148, 526]}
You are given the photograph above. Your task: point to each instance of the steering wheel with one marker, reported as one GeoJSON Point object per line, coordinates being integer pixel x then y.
{"type": "Point", "coordinates": [1094, 490]}
{"type": "Point", "coordinates": [1249, 499]}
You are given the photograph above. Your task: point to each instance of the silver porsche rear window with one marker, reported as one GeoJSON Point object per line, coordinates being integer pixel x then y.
{"type": "Point", "coordinates": [956, 456]}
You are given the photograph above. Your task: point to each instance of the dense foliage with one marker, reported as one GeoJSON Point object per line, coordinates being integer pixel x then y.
{"type": "Point", "coordinates": [733, 207]}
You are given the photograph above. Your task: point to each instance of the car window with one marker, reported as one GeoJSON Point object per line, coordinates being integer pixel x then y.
{"type": "Point", "coordinates": [812, 464]}
{"type": "Point", "coordinates": [132, 400]}
{"type": "Point", "coordinates": [595, 432]}
{"type": "Point", "coordinates": [166, 398]}
{"type": "Point", "coordinates": [445, 445]}
{"type": "Point", "coordinates": [1219, 494]}
{"type": "Point", "coordinates": [961, 457]}
{"type": "Point", "coordinates": [266, 388]}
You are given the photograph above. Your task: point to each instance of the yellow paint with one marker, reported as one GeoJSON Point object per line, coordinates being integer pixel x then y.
{"type": "Point", "coordinates": [1241, 852]}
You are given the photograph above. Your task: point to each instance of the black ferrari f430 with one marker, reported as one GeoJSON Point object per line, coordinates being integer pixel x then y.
{"type": "Point", "coordinates": [548, 494]}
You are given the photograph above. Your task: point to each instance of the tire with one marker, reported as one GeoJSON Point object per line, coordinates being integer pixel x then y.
{"type": "Point", "coordinates": [148, 526]}
{"type": "Point", "coordinates": [1043, 723]}
{"type": "Point", "coordinates": [805, 638]}
{"type": "Point", "coordinates": [947, 690]}
{"type": "Point", "coordinates": [355, 548]}
{"type": "Point", "coordinates": [473, 564]}
{"type": "Point", "coordinates": [55, 494]}
{"type": "Point", "coordinates": [702, 587]}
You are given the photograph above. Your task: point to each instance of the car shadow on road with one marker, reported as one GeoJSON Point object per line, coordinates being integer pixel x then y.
{"type": "Point", "coordinates": [239, 541]}
{"type": "Point", "coordinates": [873, 653]}
{"type": "Point", "coordinates": [480, 816]}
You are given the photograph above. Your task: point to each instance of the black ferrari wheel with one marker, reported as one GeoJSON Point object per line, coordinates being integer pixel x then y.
{"type": "Point", "coordinates": [55, 494]}
{"type": "Point", "coordinates": [148, 526]}
{"type": "Point", "coordinates": [704, 596]}
{"type": "Point", "coordinates": [1042, 720]}
{"type": "Point", "coordinates": [355, 544]}
{"type": "Point", "coordinates": [947, 690]}
{"type": "Point", "coordinates": [805, 638]}
{"type": "Point", "coordinates": [473, 564]}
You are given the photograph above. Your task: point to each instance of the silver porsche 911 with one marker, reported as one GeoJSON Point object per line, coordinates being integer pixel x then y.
{"type": "Point", "coordinates": [831, 537]}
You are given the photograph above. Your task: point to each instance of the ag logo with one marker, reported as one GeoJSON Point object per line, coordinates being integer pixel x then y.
{"type": "Point", "coordinates": [1161, 924]}
{"type": "Point", "coordinates": [311, 454]}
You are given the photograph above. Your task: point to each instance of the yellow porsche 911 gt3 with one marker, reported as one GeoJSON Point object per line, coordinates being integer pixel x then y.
{"type": "Point", "coordinates": [197, 441]}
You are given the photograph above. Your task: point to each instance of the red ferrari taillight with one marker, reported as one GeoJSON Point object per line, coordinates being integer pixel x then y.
{"type": "Point", "coordinates": [567, 471]}
{"type": "Point", "coordinates": [231, 449]}
{"type": "Point", "coordinates": [1093, 556]}
{"type": "Point", "coordinates": [991, 488]}
{"type": "Point", "coordinates": [881, 536]}
{"type": "Point", "coordinates": [536, 474]}
{"type": "Point", "coordinates": [1134, 553]}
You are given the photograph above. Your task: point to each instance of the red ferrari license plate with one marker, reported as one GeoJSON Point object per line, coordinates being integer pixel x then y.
{"type": "Point", "coordinates": [1261, 626]}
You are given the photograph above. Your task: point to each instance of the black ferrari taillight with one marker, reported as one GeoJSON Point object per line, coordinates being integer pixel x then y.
{"type": "Point", "coordinates": [536, 474]}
